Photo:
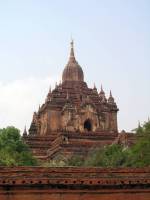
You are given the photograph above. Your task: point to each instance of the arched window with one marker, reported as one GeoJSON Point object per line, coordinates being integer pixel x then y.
{"type": "Point", "coordinates": [88, 125]}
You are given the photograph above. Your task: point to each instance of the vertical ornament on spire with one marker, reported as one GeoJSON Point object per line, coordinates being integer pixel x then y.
{"type": "Point", "coordinates": [94, 88]}
{"type": "Point", "coordinates": [50, 90]}
{"type": "Point", "coordinates": [25, 131]}
{"type": "Point", "coordinates": [102, 91]}
{"type": "Point", "coordinates": [111, 99]}
{"type": "Point", "coordinates": [39, 108]}
{"type": "Point", "coordinates": [110, 94]}
{"type": "Point", "coordinates": [72, 57]}
{"type": "Point", "coordinates": [102, 95]}
{"type": "Point", "coordinates": [56, 85]}
{"type": "Point", "coordinates": [72, 48]}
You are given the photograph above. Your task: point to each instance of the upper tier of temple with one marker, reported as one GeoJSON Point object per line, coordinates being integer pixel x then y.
{"type": "Point", "coordinates": [73, 106]}
{"type": "Point", "coordinates": [72, 71]}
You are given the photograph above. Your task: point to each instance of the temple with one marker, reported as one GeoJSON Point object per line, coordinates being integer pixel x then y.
{"type": "Point", "coordinates": [74, 118]}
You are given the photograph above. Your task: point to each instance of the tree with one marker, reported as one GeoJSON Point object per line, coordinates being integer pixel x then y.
{"type": "Point", "coordinates": [139, 129]}
{"type": "Point", "coordinates": [109, 156]}
{"type": "Point", "coordinates": [13, 152]}
{"type": "Point", "coordinates": [139, 154]}
{"type": "Point", "coordinates": [146, 127]}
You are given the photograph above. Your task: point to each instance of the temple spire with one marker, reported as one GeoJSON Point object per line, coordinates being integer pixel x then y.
{"type": "Point", "coordinates": [72, 56]}
{"type": "Point", "coordinates": [72, 71]}
{"type": "Point", "coordinates": [102, 91]}
{"type": "Point", "coordinates": [110, 94]}
{"type": "Point", "coordinates": [50, 89]}
{"type": "Point", "coordinates": [111, 99]}
{"type": "Point", "coordinates": [56, 85]}
{"type": "Point", "coordinates": [25, 131]}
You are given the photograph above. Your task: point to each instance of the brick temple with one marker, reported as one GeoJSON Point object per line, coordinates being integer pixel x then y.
{"type": "Point", "coordinates": [74, 118]}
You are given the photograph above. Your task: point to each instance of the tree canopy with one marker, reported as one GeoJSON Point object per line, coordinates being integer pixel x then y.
{"type": "Point", "coordinates": [13, 151]}
{"type": "Point", "coordinates": [139, 154]}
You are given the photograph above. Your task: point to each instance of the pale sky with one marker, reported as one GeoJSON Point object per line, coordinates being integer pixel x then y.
{"type": "Point", "coordinates": [112, 44]}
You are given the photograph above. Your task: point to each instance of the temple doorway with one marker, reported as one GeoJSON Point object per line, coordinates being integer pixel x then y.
{"type": "Point", "coordinates": [88, 125]}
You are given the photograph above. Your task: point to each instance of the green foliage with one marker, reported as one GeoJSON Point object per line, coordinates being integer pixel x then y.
{"type": "Point", "coordinates": [59, 161]}
{"type": "Point", "coordinates": [138, 130]}
{"type": "Point", "coordinates": [75, 161]}
{"type": "Point", "coordinates": [13, 152]}
{"type": "Point", "coordinates": [109, 156]}
{"type": "Point", "coordinates": [146, 127]}
{"type": "Point", "coordinates": [139, 154]}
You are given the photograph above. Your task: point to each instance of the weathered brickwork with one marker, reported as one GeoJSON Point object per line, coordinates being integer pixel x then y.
{"type": "Point", "coordinates": [35, 183]}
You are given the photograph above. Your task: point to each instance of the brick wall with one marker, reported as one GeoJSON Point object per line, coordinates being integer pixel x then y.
{"type": "Point", "coordinates": [36, 183]}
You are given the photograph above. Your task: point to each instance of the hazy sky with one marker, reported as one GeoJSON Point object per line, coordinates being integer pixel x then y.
{"type": "Point", "coordinates": [112, 44]}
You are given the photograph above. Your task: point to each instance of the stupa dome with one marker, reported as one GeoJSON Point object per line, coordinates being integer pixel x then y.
{"type": "Point", "coordinates": [72, 71]}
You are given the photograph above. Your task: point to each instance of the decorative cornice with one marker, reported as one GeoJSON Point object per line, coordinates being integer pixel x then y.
{"type": "Point", "coordinates": [76, 178]}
